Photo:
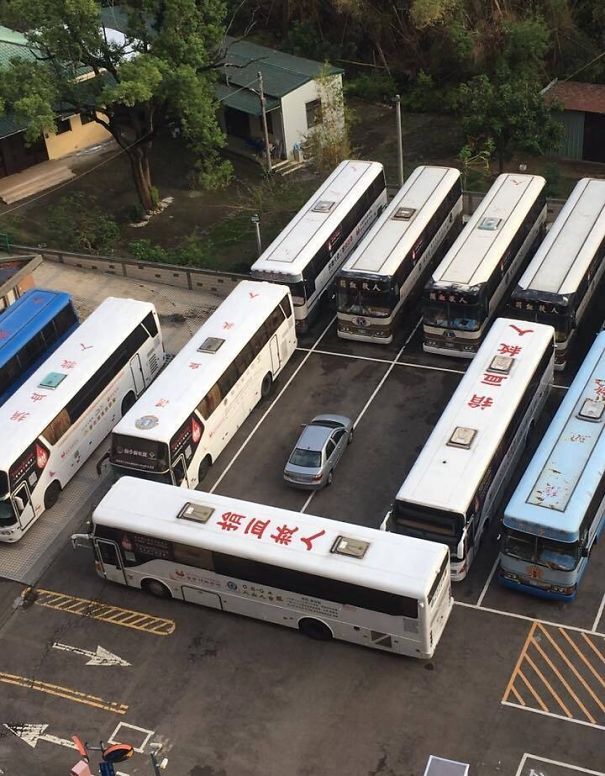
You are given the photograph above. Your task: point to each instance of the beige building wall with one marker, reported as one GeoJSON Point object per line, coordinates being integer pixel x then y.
{"type": "Point", "coordinates": [79, 137]}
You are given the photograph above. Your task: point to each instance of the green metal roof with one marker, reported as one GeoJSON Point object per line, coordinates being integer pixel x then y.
{"type": "Point", "coordinates": [244, 99]}
{"type": "Point", "coordinates": [282, 73]}
{"type": "Point", "coordinates": [13, 45]}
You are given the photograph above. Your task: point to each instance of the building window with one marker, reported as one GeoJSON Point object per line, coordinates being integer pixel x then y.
{"type": "Point", "coordinates": [86, 118]}
{"type": "Point", "coordinates": [63, 125]}
{"type": "Point", "coordinates": [313, 110]}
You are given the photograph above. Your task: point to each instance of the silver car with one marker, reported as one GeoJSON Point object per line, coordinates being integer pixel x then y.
{"type": "Point", "coordinates": [318, 449]}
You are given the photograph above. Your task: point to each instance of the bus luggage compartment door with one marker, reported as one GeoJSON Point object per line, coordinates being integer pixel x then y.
{"type": "Point", "coordinates": [275, 356]}
{"type": "Point", "coordinates": [138, 377]}
{"type": "Point", "coordinates": [202, 597]}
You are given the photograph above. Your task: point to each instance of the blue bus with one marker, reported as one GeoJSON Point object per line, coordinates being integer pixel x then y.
{"type": "Point", "coordinates": [30, 329]}
{"type": "Point", "coordinates": [557, 512]}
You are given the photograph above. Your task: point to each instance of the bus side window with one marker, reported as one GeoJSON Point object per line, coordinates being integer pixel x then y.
{"type": "Point", "coordinates": [57, 427]}
{"type": "Point", "coordinates": [150, 324]}
{"type": "Point", "coordinates": [109, 553]}
{"type": "Point", "coordinates": [49, 332]}
{"type": "Point", "coordinates": [65, 319]}
{"type": "Point", "coordinates": [286, 306]}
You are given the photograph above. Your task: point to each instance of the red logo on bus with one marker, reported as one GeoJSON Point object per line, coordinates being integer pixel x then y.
{"type": "Point", "coordinates": [41, 456]}
{"type": "Point", "coordinates": [196, 431]}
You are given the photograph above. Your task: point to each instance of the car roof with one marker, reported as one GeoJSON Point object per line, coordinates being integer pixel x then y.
{"type": "Point", "coordinates": [314, 437]}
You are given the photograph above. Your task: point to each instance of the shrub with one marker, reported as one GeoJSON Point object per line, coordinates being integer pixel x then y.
{"type": "Point", "coordinates": [373, 87]}
{"type": "Point", "coordinates": [78, 223]}
{"type": "Point", "coordinates": [145, 250]}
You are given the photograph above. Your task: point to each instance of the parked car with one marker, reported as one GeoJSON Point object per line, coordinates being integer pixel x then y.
{"type": "Point", "coordinates": [318, 449]}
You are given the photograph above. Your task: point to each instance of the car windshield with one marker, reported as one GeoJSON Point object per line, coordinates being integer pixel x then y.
{"type": "Point", "coordinates": [311, 459]}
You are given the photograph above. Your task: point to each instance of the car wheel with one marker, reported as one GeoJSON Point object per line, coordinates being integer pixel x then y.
{"type": "Point", "coordinates": [330, 477]}
{"type": "Point", "coordinates": [266, 385]}
{"type": "Point", "coordinates": [204, 468]}
{"type": "Point", "coordinates": [51, 496]}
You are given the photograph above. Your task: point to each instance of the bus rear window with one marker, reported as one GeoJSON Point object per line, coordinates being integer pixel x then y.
{"type": "Point", "coordinates": [137, 453]}
{"type": "Point", "coordinates": [422, 521]}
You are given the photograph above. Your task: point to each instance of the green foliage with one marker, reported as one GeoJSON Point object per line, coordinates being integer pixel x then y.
{"type": "Point", "coordinates": [145, 250]}
{"type": "Point", "coordinates": [165, 72]}
{"type": "Point", "coordinates": [373, 87]}
{"type": "Point", "coordinates": [78, 223]}
{"type": "Point", "coordinates": [552, 173]}
{"type": "Point", "coordinates": [303, 41]}
{"type": "Point", "coordinates": [425, 96]}
{"type": "Point", "coordinates": [526, 42]}
{"type": "Point", "coordinates": [511, 113]}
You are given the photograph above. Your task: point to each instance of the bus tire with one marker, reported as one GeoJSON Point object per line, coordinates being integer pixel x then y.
{"type": "Point", "coordinates": [330, 477]}
{"type": "Point", "coordinates": [128, 402]}
{"type": "Point", "coordinates": [204, 468]}
{"type": "Point", "coordinates": [51, 495]}
{"type": "Point", "coordinates": [267, 385]}
{"type": "Point", "coordinates": [315, 629]}
{"type": "Point", "coordinates": [351, 435]}
{"type": "Point", "coordinates": [156, 588]}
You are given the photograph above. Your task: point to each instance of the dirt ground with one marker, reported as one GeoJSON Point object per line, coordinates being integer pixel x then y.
{"type": "Point", "coordinates": [214, 227]}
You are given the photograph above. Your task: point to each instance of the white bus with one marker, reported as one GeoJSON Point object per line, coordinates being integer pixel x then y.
{"type": "Point", "coordinates": [307, 254]}
{"type": "Point", "coordinates": [559, 283]}
{"type": "Point", "coordinates": [396, 255]}
{"type": "Point", "coordinates": [455, 484]}
{"type": "Point", "coordinates": [179, 428]}
{"type": "Point", "coordinates": [475, 275]}
{"type": "Point", "coordinates": [65, 409]}
{"type": "Point", "coordinates": [326, 578]}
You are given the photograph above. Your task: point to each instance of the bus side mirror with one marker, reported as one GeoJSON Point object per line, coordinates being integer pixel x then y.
{"type": "Point", "coordinates": [81, 541]}
{"type": "Point", "coordinates": [103, 465]}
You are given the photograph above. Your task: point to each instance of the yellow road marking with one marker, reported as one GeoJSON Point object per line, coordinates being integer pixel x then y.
{"type": "Point", "coordinates": [63, 692]}
{"type": "Point", "coordinates": [518, 697]}
{"type": "Point", "coordinates": [548, 685]}
{"type": "Point", "coordinates": [564, 682]}
{"type": "Point", "coordinates": [574, 670]}
{"type": "Point", "coordinates": [97, 610]}
{"type": "Point", "coordinates": [594, 649]}
{"type": "Point", "coordinates": [532, 690]}
{"type": "Point", "coordinates": [519, 661]}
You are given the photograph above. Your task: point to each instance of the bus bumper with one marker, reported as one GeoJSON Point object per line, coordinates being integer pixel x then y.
{"type": "Point", "coordinates": [551, 593]}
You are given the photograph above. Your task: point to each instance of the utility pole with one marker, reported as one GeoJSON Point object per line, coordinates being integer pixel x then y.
{"type": "Point", "coordinates": [263, 111]}
{"type": "Point", "coordinates": [397, 101]}
{"type": "Point", "coordinates": [255, 218]}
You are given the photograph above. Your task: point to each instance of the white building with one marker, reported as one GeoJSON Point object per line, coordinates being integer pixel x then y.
{"type": "Point", "coordinates": [293, 98]}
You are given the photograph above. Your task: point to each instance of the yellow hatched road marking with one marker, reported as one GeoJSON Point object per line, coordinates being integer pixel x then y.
{"type": "Point", "coordinates": [511, 681]}
{"type": "Point", "coordinates": [517, 696]}
{"type": "Point", "coordinates": [594, 648]}
{"type": "Point", "coordinates": [63, 692]}
{"type": "Point", "coordinates": [530, 687]}
{"type": "Point", "coordinates": [549, 686]}
{"type": "Point", "coordinates": [97, 610]}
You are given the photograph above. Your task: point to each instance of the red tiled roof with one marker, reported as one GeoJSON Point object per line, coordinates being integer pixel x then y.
{"type": "Point", "coordinates": [574, 95]}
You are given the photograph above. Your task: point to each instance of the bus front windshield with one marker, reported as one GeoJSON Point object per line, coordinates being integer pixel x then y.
{"type": "Point", "coordinates": [7, 513]}
{"type": "Point", "coordinates": [364, 297]}
{"type": "Point", "coordinates": [428, 523]}
{"type": "Point", "coordinates": [453, 315]}
{"type": "Point", "coordinates": [558, 556]}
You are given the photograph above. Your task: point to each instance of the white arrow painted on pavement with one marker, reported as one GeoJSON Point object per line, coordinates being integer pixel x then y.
{"type": "Point", "coordinates": [31, 734]}
{"type": "Point", "coordinates": [102, 656]}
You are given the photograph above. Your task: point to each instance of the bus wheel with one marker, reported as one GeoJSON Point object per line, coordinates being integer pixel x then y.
{"type": "Point", "coordinates": [51, 496]}
{"type": "Point", "coordinates": [315, 629]}
{"type": "Point", "coordinates": [330, 477]}
{"type": "Point", "coordinates": [204, 468]}
{"type": "Point", "coordinates": [156, 588]}
{"type": "Point", "coordinates": [351, 435]}
{"type": "Point", "coordinates": [128, 402]}
{"type": "Point", "coordinates": [266, 386]}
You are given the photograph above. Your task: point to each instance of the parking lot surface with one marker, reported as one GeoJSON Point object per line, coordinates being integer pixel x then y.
{"type": "Point", "coordinates": [230, 696]}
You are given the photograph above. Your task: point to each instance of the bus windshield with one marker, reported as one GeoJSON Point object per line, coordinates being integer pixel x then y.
{"type": "Point", "coordinates": [363, 297]}
{"type": "Point", "coordinates": [428, 523]}
{"type": "Point", "coordinates": [452, 315]}
{"type": "Point", "coordinates": [137, 453]}
{"type": "Point", "coordinates": [7, 514]}
{"type": "Point", "coordinates": [559, 556]}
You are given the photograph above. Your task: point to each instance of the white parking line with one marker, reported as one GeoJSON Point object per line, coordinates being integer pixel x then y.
{"type": "Point", "coordinates": [517, 616]}
{"type": "Point", "coordinates": [555, 716]}
{"type": "Point", "coordinates": [599, 615]}
{"type": "Point", "coordinates": [270, 407]}
{"type": "Point", "coordinates": [527, 756]}
{"type": "Point", "coordinates": [487, 584]}
{"type": "Point", "coordinates": [392, 364]}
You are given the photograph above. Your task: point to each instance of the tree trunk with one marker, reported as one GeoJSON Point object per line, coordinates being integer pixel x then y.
{"type": "Point", "coordinates": [139, 162]}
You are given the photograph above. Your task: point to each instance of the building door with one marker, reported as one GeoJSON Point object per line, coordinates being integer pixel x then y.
{"type": "Point", "coordinates": [16, 155]}
{"type": "Point", "coordinates": [593, 149]}
{"type": "Point", "coordinates": [237, 123]}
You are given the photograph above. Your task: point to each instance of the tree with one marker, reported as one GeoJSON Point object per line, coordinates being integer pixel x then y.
{"type": "Point", "coordinates": [328, 141]}
{"type": "Point", "coordinates": [511, 113]}
{"type": "Point", "coordinates": [162, 71]}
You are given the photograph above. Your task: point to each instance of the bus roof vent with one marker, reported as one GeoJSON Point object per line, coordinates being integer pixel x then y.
{"type": "Point", "coordinates": [210, 345]}
{"type": "Point", "coordinates": [52, 380]}
{"type": "Point", "coordinates": [352, 548]}
{"type": "Point", "coordinates": [404, 213]}
{"type": "Point", "coordinates": [323, 206]}
{"type": "Point", "coordinates": [592, 410]}
{"type": "Point", "coordinates": [490, 224]}
{"type": "Point", "coordinates": [198, 513]}
{"type": "Point", "coordinates": [501, 365]}
{"type": "Point", "coordinates": [462, 437]}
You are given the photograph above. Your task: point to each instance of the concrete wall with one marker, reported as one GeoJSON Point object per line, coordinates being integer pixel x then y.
{"type": "Point", "coordinates": [295, 114]}
{"type": "Point", "coordinates": [81, 136]}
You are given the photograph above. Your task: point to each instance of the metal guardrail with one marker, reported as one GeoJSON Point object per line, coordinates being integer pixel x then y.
{"type": "Point", "coordinates": [194, 278]}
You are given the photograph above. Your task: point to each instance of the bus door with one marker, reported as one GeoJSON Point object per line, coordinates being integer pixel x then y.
{"type": "Point", "coordinates": [137, 374]}
{"type": "Point", "coordinates": [179, 471]}
{"type": "Point", "coordinates": [109, 556]}
{"type": "Point", "coordinates": [275, 355]}
{"type": "Point", "coordinates": [22, 504]}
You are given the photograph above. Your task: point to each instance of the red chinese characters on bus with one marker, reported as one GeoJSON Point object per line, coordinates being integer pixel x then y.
{"type": "Point", "coordinates": [599, 388]}
{"type": "Point", "coordinates": [480, 402]}
{"type": "Point", "coordinates": [493, 379]}
{"type": "Point", "coordinates": [282, 535]}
